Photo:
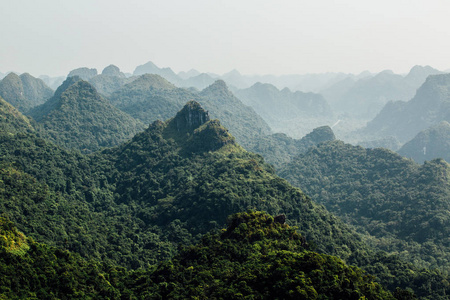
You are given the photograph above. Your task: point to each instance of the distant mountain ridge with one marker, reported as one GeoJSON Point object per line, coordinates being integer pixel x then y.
{"type": "Point", "coordinates": [429, 107]}
{"type": "Point", "coordinates": [366, 96]}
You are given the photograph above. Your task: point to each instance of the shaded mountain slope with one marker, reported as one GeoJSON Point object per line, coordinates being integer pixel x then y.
{"type": "Point", "coordinates": [12, 121]}
{"type": "Point", "coordinates": [78, 117]}
{"type": "Point", "coordinates": [429, 107]}
{"type": "Point", "coordinates": [429, 144]}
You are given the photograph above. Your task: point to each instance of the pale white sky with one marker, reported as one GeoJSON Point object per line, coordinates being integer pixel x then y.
{"type": "Point", "coordinates": [254, 36]}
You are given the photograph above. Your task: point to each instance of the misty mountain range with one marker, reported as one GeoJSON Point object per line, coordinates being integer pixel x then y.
{"type": "Point", "coordinates": [290, 104]}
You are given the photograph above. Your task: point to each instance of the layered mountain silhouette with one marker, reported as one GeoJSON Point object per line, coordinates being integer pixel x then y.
{"type": "Point", "coordinates": [78, 117]}
{"type": "Point", "coordinates": [275, 105]}
{"type": "Point", "coordinates": [403, 120]}
{"type": "Point", "coordinates": [367, 96]}
{"type": "Point", "coordinates": [24, 91]}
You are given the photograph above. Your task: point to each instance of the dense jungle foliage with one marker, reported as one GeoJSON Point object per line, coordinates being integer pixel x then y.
{"type": "Point", "coordinates": [132, 205]}
{"type": "Point", "coordinates": [403, 207]}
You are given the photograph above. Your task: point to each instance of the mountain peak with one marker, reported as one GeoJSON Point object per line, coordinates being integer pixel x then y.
{"type": "Point", "coordinates": [112, 71]}
{"type": "Point", "coordinates": [320, 135]}
{"type": "Point", "coordinates": [84, 73]}
{"type": "Point", "coordinates": [218, 88]}
{"type": "Point", "coordinates": [66, 84]}
{"type": "Point", "coordinates": [151, 81]}
{"type": "Point", "coordinates": [191, 117]}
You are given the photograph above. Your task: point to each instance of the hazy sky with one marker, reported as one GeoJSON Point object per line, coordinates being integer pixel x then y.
{"type": "Point", "coordinates": [254, 36]}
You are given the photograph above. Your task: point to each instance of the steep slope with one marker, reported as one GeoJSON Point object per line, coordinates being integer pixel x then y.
{"type": "Point", "coordinates": [246, 125]}
{"type": "Point", "coordinates": [24, 91]}
{"type": "Point", "coordinates": [78, 117]}
{"type": "Point", "coordinates": [429, 144]}
{"type": "Point", "coordinates": [403, 204]}
{"type": "Point", "coordinates": [12, 121]}
{"type": "Point", "coordinates": [429, 107]}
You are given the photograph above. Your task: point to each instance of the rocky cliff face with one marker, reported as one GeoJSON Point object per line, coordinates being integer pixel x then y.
{"type": "Point", "coordinates": [191, 117]}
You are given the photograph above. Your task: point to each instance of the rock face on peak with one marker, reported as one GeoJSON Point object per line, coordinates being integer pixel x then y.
{"type": "Point", "coordinates": [191, 117]}
{"type": "Point", "coordinates": [112, 71]}
{"type": "Point", "coordinates": [24, 91]}
{"type": "Point", "coordinates": [84, 73]}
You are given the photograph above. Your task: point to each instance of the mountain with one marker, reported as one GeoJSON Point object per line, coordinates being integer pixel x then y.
{"type": "Point", "coordinates": [113, 71]}
{"type": "Point", "coordinates": [12, 121]}
{"type": "Point", "coordinates": [151, 97]}
{"type": "Point", "coordinates": [200, 81]}
{"type": "Point", "coordinates": [366, 97]}
{"type": "Point", "coordinates": [279, 149]}
{"type": "Point", "coordinates": [78, 117]}
{"type": "Point", "coordinates": [110, 80]}
{"type": "Point", "coordinates": [429, 144]}
{"type": "Point", "coordinates": [24, 91]}
{"type": "Point", "coordinates": [242, 121]}
{"type": "Point", "coordinates": [403, 120]}
{"type": "Point", "coordinates": [52, 82]}
{"type": "Point", "coordinates": [84, 73]}
{"type": "Point", "coordinates": [277, 106]}
{"type": "Point", "coordinates": [131, 205]}
{"type": "Point", "coordinates": [382, 194]}
{"type": "Point", "coordinates": [153, 190]}
{"type": "Point", "coordinates": [151, 68]}
{"type": "Point", "coordinates": [191, 73]}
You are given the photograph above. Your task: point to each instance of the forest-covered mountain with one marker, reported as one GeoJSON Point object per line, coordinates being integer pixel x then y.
{"type": "Point", "coordinates": [24, 92]}
{"type": "Point", "coordinates": [402, 204]}
{"type": "Point", "coordinates": [132, 204]}
{"type": "Point", "coordinates": [78, 117]}
{"type": "Point", "coordinates": [150, 97]}
{"type": "Point", "coordinates": [429, 144]}
{"type": "Point", "coordinates": [257, 256]}
{"type": "Point", "coordinates": [12, 120]}
{"type": "Point", "coordinates": [403, 120]}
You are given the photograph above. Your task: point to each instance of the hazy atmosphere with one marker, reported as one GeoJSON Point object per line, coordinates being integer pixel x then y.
{"type": "Point", "coordinates": [254, 37]}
